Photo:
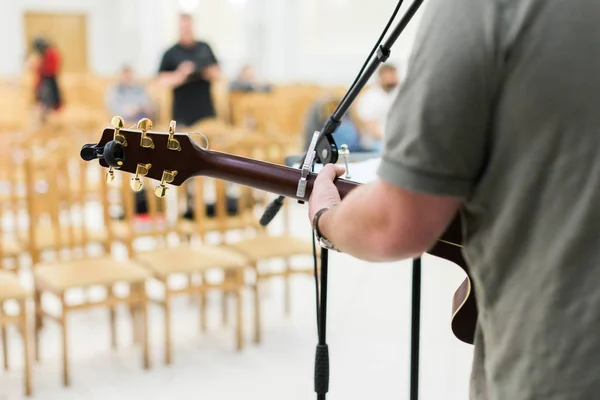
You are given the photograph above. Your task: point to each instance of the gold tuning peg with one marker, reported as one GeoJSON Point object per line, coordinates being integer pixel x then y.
{"type": "Point", "coordinates": [145, 125]}
{"type": "Point", "coordinates": [110, 175]}
{"type": "Point", "coordinates": [162, 189]}
{"type": "Point", "coordinates": [140, 171]}
{"type": "Point", "coordinates": [118, 123]}
{"type": "Point", "coordinates": [172, 143]}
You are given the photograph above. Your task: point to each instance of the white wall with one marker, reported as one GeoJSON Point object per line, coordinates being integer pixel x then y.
{"type": "Point", "coordinates": [223, 24]}
{"type": "Point", "coordinates": [334, 37]}
{"type": "Point", "coordinates": [119, 31]}
{"type": "Point", "coordinates": [288, 40]}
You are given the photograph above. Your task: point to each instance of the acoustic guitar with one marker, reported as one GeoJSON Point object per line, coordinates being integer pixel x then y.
{"type": "Point", "coordinates": [172, 158]}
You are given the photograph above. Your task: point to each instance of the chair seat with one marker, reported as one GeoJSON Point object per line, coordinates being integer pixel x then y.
{"type": "Point", "coordinates": [213, 224]}
{"type": "Point", "coordinates": [61, 276]}
{"type": "Point", "coordinates": [163, 262]}
{"type": "Point", "coordinates": [46, 237]}
{"type": "Point", "coordinates": [10, 288]}
{"type": "Point", "coordinates": [123, 230]}
{"type": "Point", "coordinates": [265, 247]}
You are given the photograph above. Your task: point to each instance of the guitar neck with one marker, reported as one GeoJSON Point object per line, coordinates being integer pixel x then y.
{"type": "Point", "coordinates": [262, 175]}
{"type": "Point", "coordinates": [283, 180]}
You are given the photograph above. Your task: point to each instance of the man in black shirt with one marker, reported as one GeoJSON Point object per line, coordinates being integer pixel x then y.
{"type": "Point", "coordinates": [189, 67]}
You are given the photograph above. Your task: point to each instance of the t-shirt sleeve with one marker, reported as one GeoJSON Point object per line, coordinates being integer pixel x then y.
{"type": "Point", "coordinates": [167, 63]}
{"type": "Point", "coordinates": [212, 59]}
{"type": "Point", "coordinates": [437, 130]}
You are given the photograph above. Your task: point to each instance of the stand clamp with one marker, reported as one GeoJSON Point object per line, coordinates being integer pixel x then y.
{"type": "Point", "coordinates": [307, 166]}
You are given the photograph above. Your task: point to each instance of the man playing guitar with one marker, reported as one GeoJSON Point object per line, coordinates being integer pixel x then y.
{"type": "Point", "coordinates": [497, 120]}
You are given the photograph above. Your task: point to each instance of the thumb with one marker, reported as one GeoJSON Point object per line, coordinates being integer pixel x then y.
{"type": "Point", "coordinates": [331, 171]}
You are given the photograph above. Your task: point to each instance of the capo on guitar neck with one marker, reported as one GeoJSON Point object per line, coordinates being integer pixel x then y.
{"type": "Point", "coordinates": [112, 152]}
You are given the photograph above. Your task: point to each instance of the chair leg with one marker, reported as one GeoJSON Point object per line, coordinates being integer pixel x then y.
{"type": "Point", "coordinates": [224, 308]}
{"type": "Point", "coordinates": [4, 338]}
{"type": "Point", "coordinates": [230, 276]}
{"type": "Point", "coordinates": [191, 283]}
{"type": "Point", "coordinates": [287, 293]}
{"type": "Point", "coordinates": [17, 262]}
{"type": "Point", "coordinates": [26, 349]}
{"type": "Point", "coordinates": [63, 323]}
{"type": "Point", "coordinates": [143, 307]}
{"type": "Point", "coordinates": [203, 305]}
{"type": "Point", "coordinates": [257, 311]}
{"type": "Point", "coordinates": [135, 315]}
{"type": "Point", "coordinates": [37, 319]}
{"type": "Point", "coordinates": [239, 320]}
{"type": "Point", "coordinates": [167, 310]}
{"type": "Point", "coordinates": [133, 287]}
{"type": "Point", "coordinates": [113, 319]}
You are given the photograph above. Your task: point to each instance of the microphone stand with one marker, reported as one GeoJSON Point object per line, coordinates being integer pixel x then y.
{"type": "Point", "coordinates": [324, 149]}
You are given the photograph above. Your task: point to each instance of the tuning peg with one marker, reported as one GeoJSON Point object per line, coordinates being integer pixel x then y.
{"type": "Point", "coordinates": [172, 143]}
{"type": "Point", "coordinates": [145, 125]}
{"type": "Point", "coordinates": [110, 175]}
{"type": "Point", "coordinates": [118, 123]}
{"type": "Point", "coordinates": [344, 152]}
{"type": "Point", "coordinates": [140, 171]}
{"type": "Point", "coordinates": [167, 177]}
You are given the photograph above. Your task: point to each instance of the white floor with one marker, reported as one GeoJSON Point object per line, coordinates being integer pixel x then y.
{"type": "Point", "coordinates": [368, 335]}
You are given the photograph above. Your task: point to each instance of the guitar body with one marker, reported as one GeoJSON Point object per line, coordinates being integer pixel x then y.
{"type": "Point", "coordinates": [464, 307]}
{"type": "Point", "coordinates": [173, 158]}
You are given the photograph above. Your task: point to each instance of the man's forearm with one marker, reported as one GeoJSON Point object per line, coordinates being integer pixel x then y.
{"type": "Point", "coordinates": [360, 227]}
{"type": "Point", "coordinates": [212, 72]}
{"type": "Point", "coordinates": [170, 79]}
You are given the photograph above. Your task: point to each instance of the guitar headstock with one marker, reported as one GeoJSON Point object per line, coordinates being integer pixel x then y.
{"type": "Point", "coordinates": [167, 157]}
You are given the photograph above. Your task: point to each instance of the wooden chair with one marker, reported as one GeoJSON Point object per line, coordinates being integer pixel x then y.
{"type": "Point", "coordinates": [127, 224]}
{"type": "Point", "coordinates": [196, 260]}
{"type": "Point", "coordinates": [12, 196]}
{"type": "Point", "coordinates": [10, 289]}
{"type": "Point", "coordinates": [203, 192]}
{"type": "Point", "coordinates": [259, 245]}
{"type": "Point", "coordinates": [52, 209]}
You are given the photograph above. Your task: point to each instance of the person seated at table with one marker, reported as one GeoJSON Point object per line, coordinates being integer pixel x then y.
{"type": "Point", "coordinates": [348, 132]}
{"type": "Point", "coordinates": [374, 104]}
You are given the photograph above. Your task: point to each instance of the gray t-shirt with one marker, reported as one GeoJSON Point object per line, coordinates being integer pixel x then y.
{"type": "Point", "coordinates": [501, 106]}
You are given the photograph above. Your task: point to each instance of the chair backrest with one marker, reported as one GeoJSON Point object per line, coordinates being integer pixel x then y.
{"type": "Point", "coordinates": [139, 214]}
{"type": "Point", "coordinates": [58, 204]}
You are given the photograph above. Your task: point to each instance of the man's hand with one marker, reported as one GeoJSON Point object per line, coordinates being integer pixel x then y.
{"type": "Point", "coordinates": [211, 73]}
{"type": "Point", "coordinates": [179, 76]}
{"type": "Point", "coordinates": [324, 193]}
{"type": "Point", "coordinates": [186, 68]}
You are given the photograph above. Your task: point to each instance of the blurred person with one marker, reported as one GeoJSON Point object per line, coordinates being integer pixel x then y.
{"type": "Point", "coordinates": [348, 132]}
{"type": "Point", "coordinates": [373, 106]}
{"type": "Point", "coordinates": [497, 123]}
{"type": "Point", "coordinates": [247, 81]}
{"type": "Point", "coordinates": [128, 98]}
{"type": "Point", "coordinates": [189, 67]}
{"type": "Point", "coordinates": [45, 62]}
